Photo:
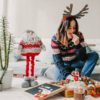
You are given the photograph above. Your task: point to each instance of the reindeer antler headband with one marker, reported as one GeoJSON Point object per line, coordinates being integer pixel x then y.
{"type": "Point", "coordinates": [67, 14]}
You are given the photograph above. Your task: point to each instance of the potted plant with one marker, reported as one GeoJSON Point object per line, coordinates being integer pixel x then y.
{"type": "Point", "coordinates": [5, 49]}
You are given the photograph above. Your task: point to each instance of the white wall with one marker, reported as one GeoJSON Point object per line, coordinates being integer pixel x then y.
{"type": "Point", "coordinates": [1, 8]}
{"type": "Point", "coordinates": [44, 16]}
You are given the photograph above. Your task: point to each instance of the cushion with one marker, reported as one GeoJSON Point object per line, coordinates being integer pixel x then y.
{"type": "Point", "coordinates": [88, 50]}
{"type": "Point", "coordinates": [46, 56]}
{"type": "Point", "coordinates": [95, 76]}
{"type": "Point", "coordinates": [13, 56]}
{"type": "Point", "coordinates": [49, 73]}
{"type": "Point", "coordinates": [91, 49]}
{"type": "Point", "coordinates": [23, 57]}
{"type": "Point", "coordinates": [98, 62]}
{"type": "Point", "coordinates": [96, 69]}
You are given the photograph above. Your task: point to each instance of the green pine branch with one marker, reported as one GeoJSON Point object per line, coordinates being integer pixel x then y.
{"type": "Point", "coordinates": [5, 47]}
{"type": "Point", "coordinates": [4, 72]}
{"type": "Point", "coordinates": [8, 50]}
{"type": "Point", "coordinates": [1, 59]}
{"type": "Point", "coordinates": [4, 40]}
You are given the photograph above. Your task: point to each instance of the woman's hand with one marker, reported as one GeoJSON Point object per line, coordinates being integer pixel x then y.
{"type": "Point", "coordinates": [75, 39]}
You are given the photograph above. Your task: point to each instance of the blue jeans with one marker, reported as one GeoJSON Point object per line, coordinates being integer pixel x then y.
{"type": "Point", "coordinates": [86, 66]}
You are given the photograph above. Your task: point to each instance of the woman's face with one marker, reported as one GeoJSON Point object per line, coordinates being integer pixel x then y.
{"type": "Point", "coordinates": [71, 30]}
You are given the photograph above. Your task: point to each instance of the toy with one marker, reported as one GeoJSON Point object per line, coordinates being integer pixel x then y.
{"type": "Point", "coordinates": [30, 46]}
{"type": "Point", "coordinates": [75, 77]}
{"type": "Point", "coordinates": [92, 90]}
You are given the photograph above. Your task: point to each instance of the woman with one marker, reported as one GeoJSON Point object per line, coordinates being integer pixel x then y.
{"type": "Point", "coordinates": [69, 51]}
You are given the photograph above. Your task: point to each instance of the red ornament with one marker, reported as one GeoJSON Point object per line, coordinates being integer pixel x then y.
{"type": "Point", "coordinates": [62, 84]}
{"type": "Point", "coordinates": [73, 73]}
{"type": "Point", "coordinates": [44, 95]}
{"type": "Point", "coordinates": [77, 73]}
{"type": "Point", "coordinates": [98, 94]}
{"type": "Point", "coordinates": [75, 78]}
{"type": "Point", "coordinates": [91, 94]}
{"type": "Point", "coordinates": [38, 93]}
{"type": "Point", "coordinates": [91, 87]}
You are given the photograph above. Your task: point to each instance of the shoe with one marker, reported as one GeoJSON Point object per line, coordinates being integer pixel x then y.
{"type": "Point", "coordinates": [33, 83]}
{"type": "Point", "coordinates": [25, 84]}
{"type": "Point", "coordinates": [32, 78]}
{"type": "Point", "coordinates": [26, 78]}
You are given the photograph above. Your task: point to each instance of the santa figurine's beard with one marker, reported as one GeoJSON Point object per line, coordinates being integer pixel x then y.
{"type": "Point", "coordinates": [30, 38]}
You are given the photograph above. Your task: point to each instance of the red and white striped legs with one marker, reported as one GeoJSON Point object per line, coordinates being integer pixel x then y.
{"type": "Point", "coordinates": [27, 65]}
{"type": "Point", "coordinates": [32, 65]}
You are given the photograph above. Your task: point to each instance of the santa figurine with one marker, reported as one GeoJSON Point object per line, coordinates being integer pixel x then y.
{"type": "Point", "coordinates": [30, 46]}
